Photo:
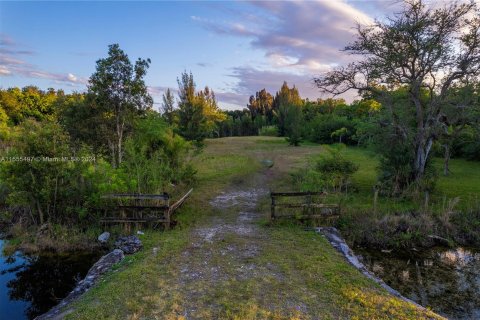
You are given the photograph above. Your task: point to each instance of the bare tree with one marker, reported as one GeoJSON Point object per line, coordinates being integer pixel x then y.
{"type": "Point", "coordinates": [425, 50]}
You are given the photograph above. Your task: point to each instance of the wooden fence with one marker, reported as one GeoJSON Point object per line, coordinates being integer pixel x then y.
{"type": "Point", "coordinates": [153, 209]}
{"type": "Point", "coordinates": [311, 204]}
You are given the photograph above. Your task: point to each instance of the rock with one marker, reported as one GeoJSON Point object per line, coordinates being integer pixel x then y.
{"type": "Point", "coordinates": [140, 232]}
{"type": "Point", "coordinates": [267, 163]}
{"type": "Point", "coordinates": [129, 244]}
{"type": "Point", "coordinates": [103, 238]}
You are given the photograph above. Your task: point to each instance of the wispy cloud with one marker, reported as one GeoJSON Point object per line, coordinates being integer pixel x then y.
{"type": "Point", "coordinates": [204, 64]}
{"type": "Point", "coordinates": [299, 39]}
{"type": "Point", "coordinates": [305, 36]}
{"type": "Point", "coordinates": [12, 63]}
{"type": "Point", "coordinates": [251, 80]}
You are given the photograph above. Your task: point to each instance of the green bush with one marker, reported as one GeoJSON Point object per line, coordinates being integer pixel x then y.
{"type": "Point", "coordinates": [327, 129]}
{"type": "Point", "coordinates": [335, 170]}
{"type": "Point", "coordinates": [270, 131]}
{"type": "Point", "coordinates": [331, 172]}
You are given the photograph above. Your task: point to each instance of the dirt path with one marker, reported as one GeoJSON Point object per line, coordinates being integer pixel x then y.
{"type": "Point", "coordinates": [223, 250]}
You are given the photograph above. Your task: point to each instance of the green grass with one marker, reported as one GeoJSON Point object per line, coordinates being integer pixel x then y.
{"type": "Point", "coordinates": [463, 182]}
{"type": "Point", "coordinates": [297, 274]}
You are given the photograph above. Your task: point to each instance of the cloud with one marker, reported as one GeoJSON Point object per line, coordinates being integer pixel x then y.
{"type": "Point", "coordinates": [160, 90]}
{"type": "Point", "coordinates": [232, 100]}
{"type": "Point", "coordinates": [10, 47]}
{"type": "Point", "coordinates": [302, 37]}
{"type": "Point", "coordinates": [300, 40]}
{"type": "Point", "coordinates": [251, 80]}
{"type": "Point", "coordinates": [204, 64]}
{"type": "Point", "coordinates": [13, 65]}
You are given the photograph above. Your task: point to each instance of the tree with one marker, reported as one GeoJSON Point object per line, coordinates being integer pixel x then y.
{"type": "Point", "coordinates": [36, 183]}
{"type": "Point", "coordinates": [198, 113]}
{"type": "Point", "coordinates": [284, 99]}
{"type": "Point", "coordinates": [294, 125]}
{"type": "Point", "coordinates": [424, 50]}
{"type": "Point", "coordinates": [461, 111]}
{"type": "Point", "coordinates": [168, 106]}
{"type": "Point", "coordinates": [120, 95]}
{"type": "Point", "coordinates": [261, 104]}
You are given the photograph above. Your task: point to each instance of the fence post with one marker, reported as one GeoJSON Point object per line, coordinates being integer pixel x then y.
{"type": "Point", "coordinates": [375, 200]}
{"type": "Point", "coordinates": [272, 211]}
{"type": "Point", "coordinates": [309, 204]}
{"type": "Point", "coordinates": [425, 205]}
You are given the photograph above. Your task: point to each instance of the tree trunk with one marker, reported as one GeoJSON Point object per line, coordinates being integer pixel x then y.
{"type": "Point", "coordinates": [422, 154]}
{"type": "Point", "coordinates": [40, 212]}
{"type": "Point", "coordinates": [446, 159]}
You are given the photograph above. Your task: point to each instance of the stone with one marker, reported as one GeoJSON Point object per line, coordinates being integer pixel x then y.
{"type": "Point", "coordinates": [128, 244]}
{"type": "Point", "coordinates": [267, 163]}
{"type": "Point", "coordinates": [103, 238]}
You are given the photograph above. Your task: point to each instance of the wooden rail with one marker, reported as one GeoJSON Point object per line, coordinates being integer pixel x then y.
{"type": "Point", "coordinates": [144, 208]}
{"type": "Point", "coordinates": [310, 209]}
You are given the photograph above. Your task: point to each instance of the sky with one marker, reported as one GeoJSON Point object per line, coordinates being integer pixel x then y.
{"type": "Point", "coordinates": [236, 48]}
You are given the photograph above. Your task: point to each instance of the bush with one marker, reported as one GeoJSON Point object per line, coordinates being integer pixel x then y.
{"type": "Point", "coordinates": [270, 131]}
{"type": "Point", "coordinates": [328, 129]}
{"type": "Point", "coordinates": [335, 170]}
{"type": "Point", "coordinates": [332, 172]}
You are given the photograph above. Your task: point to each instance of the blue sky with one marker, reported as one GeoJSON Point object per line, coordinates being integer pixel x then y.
{"type": "Point", "coordinates": [236, 48]}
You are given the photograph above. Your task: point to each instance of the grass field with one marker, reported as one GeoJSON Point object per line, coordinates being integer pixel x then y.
{"type": "Point", "coordinates": [463, 182]}
{"type": "Point", "coordinates": [266, 272]}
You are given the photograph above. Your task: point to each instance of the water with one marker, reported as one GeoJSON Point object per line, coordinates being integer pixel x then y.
{"type": "Point", "coordinates": [446, 280]}
{"type": "Point", "coordinates": [31, 284]}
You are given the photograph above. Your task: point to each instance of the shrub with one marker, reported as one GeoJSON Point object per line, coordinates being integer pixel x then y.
{"type": "Point", "coordinates": [271, 131]}
{"type": "Point", "coordinates": [328, 129]}
{"type": "Point", "coordinates": [336, 171]}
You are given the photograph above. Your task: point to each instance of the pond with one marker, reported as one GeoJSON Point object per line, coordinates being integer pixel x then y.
{"type": "Point", "coordinates": [446, 280]}
{"type": "Point", "coordinates": [32, 284]}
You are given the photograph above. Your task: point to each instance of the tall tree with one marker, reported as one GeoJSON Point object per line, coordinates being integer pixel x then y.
{"type": "Point", "coordinates": [120, 94]}
{"type": "Point", "coordinates": [261, 104]}
{"type": "Point", "coordinates": [198, 112]}
{"type": "Point", "coordinates": [422, 49]}
{"type": "Point", "coordinates": [285, 99]}
{"type": "Point", "coordinates": [168, 106]}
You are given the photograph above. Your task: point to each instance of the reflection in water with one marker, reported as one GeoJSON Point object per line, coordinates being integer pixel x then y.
{"type": "Point", "coordinates": [447, 280]}
{"type": "Point", "coordinates": [31, 285]}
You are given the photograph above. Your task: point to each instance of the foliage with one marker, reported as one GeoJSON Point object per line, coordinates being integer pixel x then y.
{"type": "Point", "coordinates": [322, 129]}
{"type": "Point", "coordinates": [331, 172]}
{"type": "Point", "coordinates": [168, 106]}
{"type": "Point", "coordinates": [156, 156]}
{"type": "Point", "coordinates": [29, 102]}
{"type": "Point", "coordinates": [335, 170]}
{"type": "Point", "coordinates": [120, 95]}
{"type": "Point", "coordinates": [198, 113]}
{"type": "Point", "coordinates": [261, 105]}
{"type": "Point", "coordinates": [285, 98]}
{"type": "Point", "coordinates": [40, 179]}
{"type": "Point", "coordinates": [271, 131]}
{"type": "Point", "coordinates": [294, 125]}
{"type": "Point", "coordinates": [422, 51]}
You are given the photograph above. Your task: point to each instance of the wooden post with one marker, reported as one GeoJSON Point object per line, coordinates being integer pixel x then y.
{"type": "Point", "coordinates": [167, 219]}
{"type": "Point", "coordinates": [272, 211]}
{"type": "Point", "coordinates": [309, 204]}
{"type": "Point", "coordinates": [425, 205]}
{"type": "Point", "coordinates": [375, 199]}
